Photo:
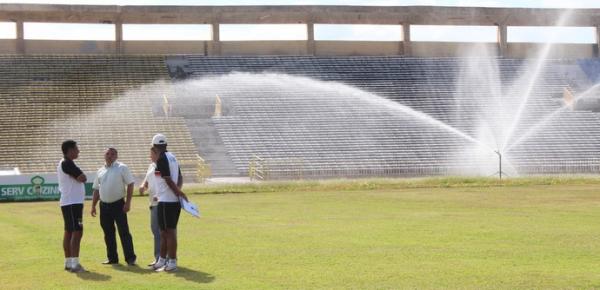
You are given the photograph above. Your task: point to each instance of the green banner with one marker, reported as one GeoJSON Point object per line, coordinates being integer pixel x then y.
{"type": "Point", "coordinates": [37, 189]}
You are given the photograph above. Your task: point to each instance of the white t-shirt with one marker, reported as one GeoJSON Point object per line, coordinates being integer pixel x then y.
{"type": "Point", "coordinates": [166, 165]}
{"type": "Point", "coordinates": [71, 190]}
{"type": "Point", "coordinates": [151, 184]}
{"type": "Point", "coordinates": [112, 180]}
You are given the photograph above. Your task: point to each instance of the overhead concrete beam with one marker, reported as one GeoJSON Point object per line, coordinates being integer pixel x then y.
{"type": "Point", "coordinates": [424, 15]}
{"type": "Point", "coordinates": [309, 15]}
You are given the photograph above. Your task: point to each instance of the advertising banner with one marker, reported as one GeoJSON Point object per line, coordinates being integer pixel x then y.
{"type": "Point", "coordinates": [34, 187]}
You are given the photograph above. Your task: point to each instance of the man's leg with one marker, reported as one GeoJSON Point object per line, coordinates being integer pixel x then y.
{"type": "Point", "coordinates": [163, 243]}
{"type": "Point", "coordinates": [67, 249]}
{"type": "Point", "coordinates": [68, 223]}
{"type": "Point", "coordinates": [76, 212]}
{"type": "Point", "coordinates": [107, 222]}
{"type": "Point", "coordinates": [75, 243]}
{"type": "Point", "coordinates": [155, 231]}
{"type": "Point", "coordinates": [124, 234]}
{"type": "Point", "coordinates": [67, 244]}
{"type": "Point", "coordinates": [172, 220]}
{"type": "Point", "coordinates": [171, 243]}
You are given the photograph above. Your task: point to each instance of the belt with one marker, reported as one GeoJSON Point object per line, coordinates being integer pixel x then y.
{"type": "Point", "coordinates": [120, 200]}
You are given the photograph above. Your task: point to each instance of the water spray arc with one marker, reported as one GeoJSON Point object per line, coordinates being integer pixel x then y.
{"type": "Point", "coordinates": [538, 67]}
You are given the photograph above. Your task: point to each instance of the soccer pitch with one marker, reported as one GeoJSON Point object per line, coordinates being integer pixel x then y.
{"type": "Point", "coordinates": [362, 234]}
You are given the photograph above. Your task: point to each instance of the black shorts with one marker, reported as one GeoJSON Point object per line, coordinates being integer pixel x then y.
{"type": "Point", "coordinates": [72, 216]}
{"type": "Point", "coordinates": [168, 215]}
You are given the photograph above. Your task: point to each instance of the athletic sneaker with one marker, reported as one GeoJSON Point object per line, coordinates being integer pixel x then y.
{"type": "Point", "coordinates": [78, 269]}
{"type": "Point", "coordinates": [158, 266]}
{"type": "Point", "coordinates": [170, 267]}
{"type": "Point", "coordinates": [153, 263]}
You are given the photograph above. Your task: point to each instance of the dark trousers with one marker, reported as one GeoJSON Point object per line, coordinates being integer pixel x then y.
{"type": "Point", "coordinates": [111, 213]}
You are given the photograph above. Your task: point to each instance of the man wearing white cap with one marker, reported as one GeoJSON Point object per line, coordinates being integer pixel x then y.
{"type": "Point", "coordinates": [167, 177]}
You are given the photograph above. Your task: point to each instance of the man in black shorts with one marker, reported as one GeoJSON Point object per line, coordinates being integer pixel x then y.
{"type": "Point", "coordinates": [71, 184]}
{"type": "Point", "coordinates": [167, 177]}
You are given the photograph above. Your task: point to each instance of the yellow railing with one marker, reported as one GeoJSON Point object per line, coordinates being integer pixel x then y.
{"type": "Point", "coordinates": [256, 168]}
{"type": "Point", "coordinates": [276, 168]}
{"type": "Point", "coordinates": [202, 169]}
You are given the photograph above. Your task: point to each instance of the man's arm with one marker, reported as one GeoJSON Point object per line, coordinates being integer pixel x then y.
{"type": "Point", "coordinates": [69, 167]}
{"type": "Point", "coordinates": [127, 205]}
{"type": "Point", "coordinates": [129, 180]}
{"type": "Point", "coordinates": [162, 166]}
{"type": "Point", "coordinates": [143, 187]}
{"type": "Point", "coordinates": [96, 193]}
{"type": "Point", "coordinates": [95, 198]}
{"type": "Point", "coordinates": [174, 187]}
{"type": "Point", "coordinates": [180, 180]}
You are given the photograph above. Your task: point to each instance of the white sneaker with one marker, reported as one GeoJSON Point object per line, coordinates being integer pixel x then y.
{"type": "Point", "coordinates": [170, 267]}
{"type": "Point", "coordinates": [78, 269]}
{"type": "Point", "coordinates": [158, 266]}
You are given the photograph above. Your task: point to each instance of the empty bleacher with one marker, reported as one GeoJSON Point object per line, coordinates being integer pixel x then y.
{"type": "Point", "coordinates": [301, 116]}
{"type": "Point", "coordinates": [323, 129]}
{"type": "Point", "coordinates": [98, 101]}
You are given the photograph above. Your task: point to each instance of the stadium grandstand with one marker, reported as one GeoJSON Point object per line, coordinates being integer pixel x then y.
{"type": "Point", "coordinates": [301, 108]}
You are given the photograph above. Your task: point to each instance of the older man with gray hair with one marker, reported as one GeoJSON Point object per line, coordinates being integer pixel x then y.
{"type": "Point", "coordinates": [109, 187]}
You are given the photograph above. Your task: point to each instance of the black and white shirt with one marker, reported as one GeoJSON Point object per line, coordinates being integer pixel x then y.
{"type": "Point", "coordinates": [166, 166]}
{"type": "Point", "coordinates": [71, 190]}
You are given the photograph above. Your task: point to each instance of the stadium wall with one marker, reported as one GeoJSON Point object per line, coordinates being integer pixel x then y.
{"type": "Point", "coordinates": [309, 15]}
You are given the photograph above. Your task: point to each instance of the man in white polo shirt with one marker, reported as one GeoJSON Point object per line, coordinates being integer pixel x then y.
{"type": "Point", "coordinates": [109, 187]}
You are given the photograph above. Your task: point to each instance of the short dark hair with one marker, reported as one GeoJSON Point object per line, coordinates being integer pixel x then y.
{"type": "Point", "coordinates": [68, 144]}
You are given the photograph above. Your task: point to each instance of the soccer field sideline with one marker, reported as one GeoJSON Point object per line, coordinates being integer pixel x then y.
{"type": "Point", "coordinates": [519, 236]}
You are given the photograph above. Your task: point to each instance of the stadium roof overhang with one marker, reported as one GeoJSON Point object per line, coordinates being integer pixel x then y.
{"type": "Point", "coordinates": [426, 15]}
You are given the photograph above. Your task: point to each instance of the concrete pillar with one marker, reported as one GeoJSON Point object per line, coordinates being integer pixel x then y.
{"type": "Point", "coordinates": [216, 39]}
{"type": "Point", "coordinates": [119, 37]}
{"type": "Point", "coordinates": [310, 42]}
{"type": "Point", "coordinates": [20, 37]}
{"type": "Point", "coordinates": [502, 40]}
{"type": "Point", "coordinates": [406, 49]}
{"type": "Point", "coordinates": [597, 48]}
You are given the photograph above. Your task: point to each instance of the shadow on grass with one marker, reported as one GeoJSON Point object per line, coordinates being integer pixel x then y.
{"type": "Point", "coordinates": [93, 276]}
{"type": "Point", "coordinates": [132, 269]}
{"type": "Point", "coordinates": [182, 272]}
{"type": "Point", "coordinates": [193, 275]}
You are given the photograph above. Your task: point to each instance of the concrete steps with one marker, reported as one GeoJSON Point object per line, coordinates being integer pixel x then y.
{"type": "Point", "coordinates": [211, 147]}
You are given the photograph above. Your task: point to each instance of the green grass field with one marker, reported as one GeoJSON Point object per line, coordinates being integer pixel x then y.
{"type": "Point", "coordinates": [363, 234]}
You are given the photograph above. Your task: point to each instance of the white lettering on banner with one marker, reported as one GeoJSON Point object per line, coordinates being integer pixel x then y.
{"type": "Point", "coordinates": [50, 190]}
{"type": "Point", "coordinates": [12, 191]}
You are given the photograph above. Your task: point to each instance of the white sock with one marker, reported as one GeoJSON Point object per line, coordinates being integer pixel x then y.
{"type": "Point", "coordinates": [161, 261]}
{"type": "Point", "coordinates": [68, 262]}
{"type": "Point", "coordinates": [74, 262]}
{"type": "Point", "coordinates": [172, 262]}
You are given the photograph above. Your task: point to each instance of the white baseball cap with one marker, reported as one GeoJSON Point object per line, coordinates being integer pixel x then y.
{"type": "Point", "coordinates": [159, 139]}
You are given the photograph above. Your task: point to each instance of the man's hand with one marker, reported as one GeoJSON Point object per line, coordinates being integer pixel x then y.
{"type": "Point", "coordinates": [82, 178]}
{"type": "Point", "coordinates": [142, 190]}
{"type": "Point", "coordinates": [126, 207]}
{"type": "Point", "coordinates": [93, 212]}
